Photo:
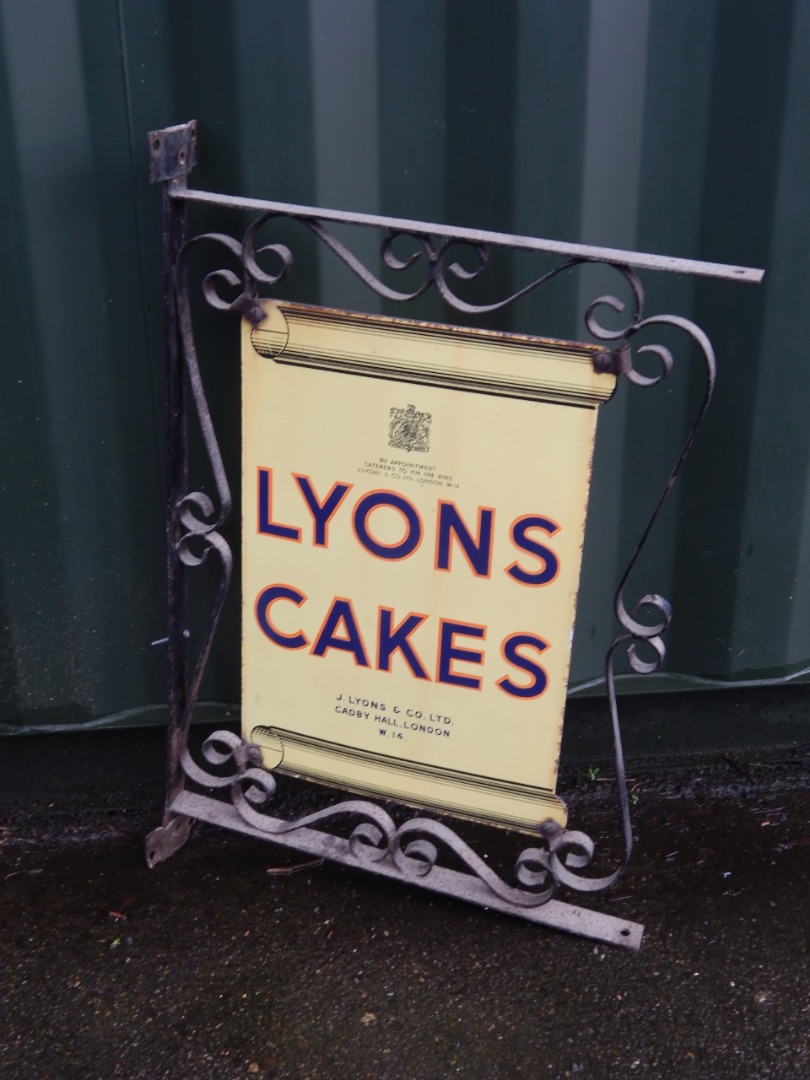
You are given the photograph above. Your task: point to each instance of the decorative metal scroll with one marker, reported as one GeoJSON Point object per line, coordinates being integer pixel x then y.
{"type": "Point", "coordinates": [411, 851]}
{"type": "Point", "coordinates": [412, 847]}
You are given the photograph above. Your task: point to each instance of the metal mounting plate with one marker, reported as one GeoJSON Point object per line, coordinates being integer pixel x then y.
{"type": "Point", "coordinates": [172, 152]}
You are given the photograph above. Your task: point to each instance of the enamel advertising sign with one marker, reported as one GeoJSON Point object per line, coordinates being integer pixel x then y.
{"type": "Point", "coordinates": [414, 500]}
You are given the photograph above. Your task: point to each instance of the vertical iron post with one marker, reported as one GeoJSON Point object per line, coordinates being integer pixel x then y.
{"type": "Point", "coordinates": [173, 156]}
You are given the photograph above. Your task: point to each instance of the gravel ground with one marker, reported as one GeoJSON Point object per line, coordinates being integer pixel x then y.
{"type": "Point", "coordinates": [218, 964]}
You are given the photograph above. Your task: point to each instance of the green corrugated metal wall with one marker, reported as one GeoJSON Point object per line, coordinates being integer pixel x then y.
{"type": "Point", "coordinates": [673, 127]}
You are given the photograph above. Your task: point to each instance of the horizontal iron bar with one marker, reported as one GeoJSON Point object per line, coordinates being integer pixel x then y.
{"type": "Point", "coordinates": [666, 263]}
{"type": "Point", "coordinates": [554, 913]}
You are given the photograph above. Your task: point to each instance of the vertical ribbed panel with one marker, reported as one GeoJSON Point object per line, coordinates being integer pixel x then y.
{"type": "Point", "coordinates": [678, 128]}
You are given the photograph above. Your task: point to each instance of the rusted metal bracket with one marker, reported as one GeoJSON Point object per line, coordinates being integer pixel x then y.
{"type": "Point", "coordinates": [172, 152]}
{"type": "Point", "coordinates": [168, 838]}
{"type": "Point", "coordinates": [413, 852]}
{"type": "Point", "coordinates": [194, 520]}
{"type": "Point", "coordinates": [555, 914]}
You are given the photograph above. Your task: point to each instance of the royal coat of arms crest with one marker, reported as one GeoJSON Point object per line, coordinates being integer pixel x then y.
{"type": "Point", "coordinates": [409, 430]}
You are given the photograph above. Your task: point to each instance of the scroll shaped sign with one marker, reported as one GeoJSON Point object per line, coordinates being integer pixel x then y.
{"type": "Point", "coordinates": [414, 501]}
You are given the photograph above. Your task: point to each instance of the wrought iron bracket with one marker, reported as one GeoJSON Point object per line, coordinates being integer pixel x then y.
{"type": "Point", "coordinates": [409, 852]}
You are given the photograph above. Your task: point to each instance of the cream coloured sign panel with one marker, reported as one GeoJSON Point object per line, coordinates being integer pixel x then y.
{"type": "Point", "coordinates": [414, 502]}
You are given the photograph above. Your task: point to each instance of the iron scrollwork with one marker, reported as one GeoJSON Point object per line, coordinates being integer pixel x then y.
{"type": "Point", "coordinates": [434, 252]}
{"type": "Point", "coordinates": [201, 521]}
{"type": "Point", "coordinates": [635, 632]}
{"type": "Point", "coordinates": [414, 847]}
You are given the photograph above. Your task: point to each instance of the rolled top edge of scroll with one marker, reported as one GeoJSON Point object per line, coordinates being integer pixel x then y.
{"type": "Point", "coordinates": [270, 337]}
{"type": "Point", "coordinates": [272, 747]}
